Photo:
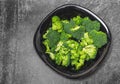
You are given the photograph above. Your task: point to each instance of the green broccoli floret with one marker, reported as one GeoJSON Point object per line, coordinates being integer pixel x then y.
{"type": "Point", "coordinates": [78, 66]}
{"type": "Point", "coordinates": [65, 21]}
{"type": "Point", "coordinates": [55, 19]}
{"type": "Point", "coordinates": [45, 35]}
{"type": "Point", "coordinates": [52, 56]}
{"type": "Point", "coordinates": [72, 44]}
{"type": "Point", "coordinates": [46, 43]}
{"type": "Point", "coordinates": [64, 36]}
{"type": "Point", "coordinates": [90, 25]}
{"type": "Point", "coordinates": [56, 23]}
{"type": "Point", "coordinates": [77, 20]}
{"type": "Point", "coordinates": [62, 57]}
{"type": "Point", "coordinates": [90, 50]}
{"type": "Point", "coordinates": [68, 26]}
{"type": "Point", "coordinates": [58, 58]}
{"type": "Point", "coordinates": [86, 40]}
{"type": "Point", "coordinates": [76, 31]}
{"type": "Point", "coordinates": [60, 43]}
{"type": "Point", "coordinates": [57, 26]}
{"type": "Point", "coordinates": [53, 38]}
{"type": "Point", "coordinates": [99, 38]}
{"type": "Point", "coordinates": [66, 60]}
{"type": "Point", "coordinates": [74, 54]}
{"type": "Point", "coordinates": [78, 63]}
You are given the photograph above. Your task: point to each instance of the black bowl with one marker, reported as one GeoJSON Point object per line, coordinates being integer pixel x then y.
{"type": "Point", "coordinates": [66, 12]}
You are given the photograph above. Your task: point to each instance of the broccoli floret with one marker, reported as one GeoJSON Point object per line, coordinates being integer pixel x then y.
{"type": "Point", "coordinates": [65, 21]}
{"type": "Point", "coordinates": [60, 43]}
{"type": "Point", "coordinates": [77, 20]}
{"type": "Point", "coordinates": [86, 40]}
{"type": "Point", "coordinates": [58, 59]}
{"type": "Point", "coordinates": [90, 25]}
{"type": "Point", "coordinates": [91, 51]}
{"type": "Point", "coordinates": [55, 19]}
{"type": "Point", "coordinates": [78, 66]}
{"type": "Point", "coordinates": [52, 56]}
{"type": "Point", "coordinates": [74, 54]}
{"type": "Point", "coordinates": [45, 35]}
{"type": "Point", "coordinates": [46, 43]}
{"type": "Point", "coordinates": [99, 38]}
{"type": "Point", "coordinates": [57, 26]}
{"type": "Point", "coordinates": [66, 60]}
{"type": "Point", "coordinates": [64, 36]}
{"type": "Point", "coordinates": [63, 57]}
{"type": "Point", "coordinates": [56, 23]}
{"type": "Point", "coordinates": [77, 63]}
{"type": "Point", "coordinates": [64, 50]}
{"type": "Point", "coordinates": [83, 57]}
{"type": "Point", "coordinates": [76, 31]}
{"type": "Point", "coordinates": [74, 62]}
{"type": "Point", "coordinates": [72, 44]}
{"type": "Point", "coordinates": [53, 38]}
{"type": "Point", "coordinates": [68, 26]}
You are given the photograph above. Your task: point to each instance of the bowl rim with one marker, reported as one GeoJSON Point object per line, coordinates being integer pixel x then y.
{"type": "Point", "coordinates": [92, 68]}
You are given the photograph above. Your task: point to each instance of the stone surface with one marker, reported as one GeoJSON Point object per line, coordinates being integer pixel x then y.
{"type": "Point", "coordinates": [19, 62]}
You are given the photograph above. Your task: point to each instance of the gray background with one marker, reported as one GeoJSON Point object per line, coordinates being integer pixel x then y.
{"type": "Point", "coordinates": [19, 62]}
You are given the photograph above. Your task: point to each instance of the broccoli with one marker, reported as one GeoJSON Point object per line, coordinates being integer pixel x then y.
{"type": "Point", "coordinates": [55, 19]}
{"type": "Point", "coordinates": [74, 54]}
{"type": "Point", "coordinates": [87, 53]}
{"type": "Point", "coordinates": [56, 23]}
{"type": "Point", "coordinates": [76, 31]}
{"type": "Point", "coordinates": [53, 37]}
{"type": "Point", "coordinates": [65, 36]}
{"type": "Point", "coordinates": [58, 58]}
{"type": "Point", "coordinates": [77, 20]}
{"type": "Point", "coordinates": [63, 57]}
{"type": "Point", "coordinates": [73, 42]}
{"type": "Point", "coordinates": [78, 66]}
{"type": "Point", "coordinates": [45, 35]}
{"type": "Point", "coordinates": [90, 50]}
{"type": "Point", "coordinates": [77, 63]}
{"type": "Point", "coordinates": [90, 25]}
{"type": "Point", "coordinates": [68, 26]}
{"type": "Point", "coordinates": [66, 60]}
{"type": "Point", "coordinates": [46, 43]}
{"type": "Point", "coordinates": [60, 43]}
{"type": "Point", "coordinates": [65, 21]}
{"type": "Point", "coordinates": [99, 38]}
{"type": "Point", "coordinates": [52, 56]}
{"type": "Point", "coordinates": [86, 40]}
{"type": "Point", "coordinates": [57, 26]}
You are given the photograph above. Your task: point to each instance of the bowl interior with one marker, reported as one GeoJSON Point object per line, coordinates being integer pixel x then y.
{"type": "Point", "coordinates": [67, 12]}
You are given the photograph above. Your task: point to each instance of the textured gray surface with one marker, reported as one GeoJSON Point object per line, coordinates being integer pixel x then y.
{"type": "Point", "coordinates": [19, 62]}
